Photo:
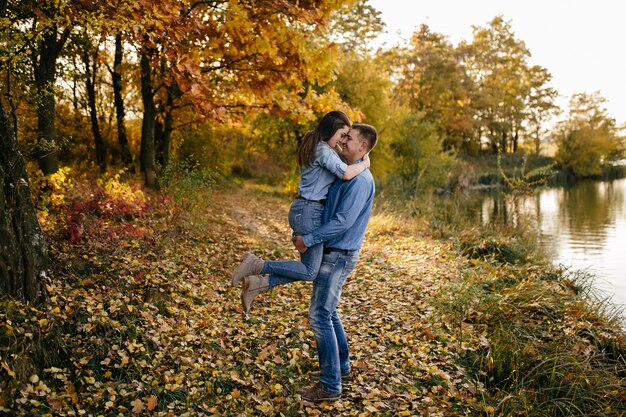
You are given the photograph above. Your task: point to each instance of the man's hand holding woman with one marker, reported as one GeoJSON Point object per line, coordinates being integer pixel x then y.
{"type": "Point", "coordinates": [298, 242]}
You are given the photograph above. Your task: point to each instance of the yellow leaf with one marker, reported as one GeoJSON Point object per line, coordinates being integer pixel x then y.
{"type": "Point", "coordinates": [43, 322]}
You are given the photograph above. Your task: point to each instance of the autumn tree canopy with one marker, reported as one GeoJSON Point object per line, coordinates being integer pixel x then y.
{"type": "Point", "coordinates": [588, 138]}
{"type": "Point", "coordinates": [192, 61]}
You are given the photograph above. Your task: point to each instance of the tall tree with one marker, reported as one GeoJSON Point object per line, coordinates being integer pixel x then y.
{"type": "Point", "coordinates": [588, 138]}
{"type": "Point", "coordinates": [497, 63]}
{"type": "Point", "coordinates": [354, 25]}
{"type": "Point", "coordinates": [431, 81]}
{"type": "Point", "coordinates": [148, 125]}
{"type": "Point", "coordinates": [23, 252]}
{"type": "Point", "coordinates": [49, 19]}
{"type": "Point", "coordinates": [41, 31]}
{"type": "Point", "coordinates": [164, 126]}
{"type": "Point", "coordinates": [90, 61]}
{"type": "Point", "coordinates": [362, 80]}
{"type": "Point", "coordinates": [118, 100]}
{"type": "Point", "coordinates": [540, 105]}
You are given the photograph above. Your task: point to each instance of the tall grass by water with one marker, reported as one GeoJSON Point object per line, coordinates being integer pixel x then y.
{"type": "Point", "coordinates": [538, 340]}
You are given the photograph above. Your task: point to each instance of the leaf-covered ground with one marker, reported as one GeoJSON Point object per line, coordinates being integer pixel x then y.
{"type": "Point", "coordinates": [142, 320]}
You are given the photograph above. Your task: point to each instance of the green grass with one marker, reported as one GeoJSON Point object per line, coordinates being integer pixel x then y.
{"type": "Point", "coordinates": [537, 340]}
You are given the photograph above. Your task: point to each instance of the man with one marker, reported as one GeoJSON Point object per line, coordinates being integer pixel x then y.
{"type": "Point", "coordinates": [346, 214]}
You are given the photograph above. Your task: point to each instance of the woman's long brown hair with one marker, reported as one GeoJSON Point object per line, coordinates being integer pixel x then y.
{"type": "Point", "coordinates": [326, 128]}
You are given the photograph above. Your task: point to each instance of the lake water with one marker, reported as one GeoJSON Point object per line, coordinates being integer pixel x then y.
{"type": "Point", "coordinates": [582, 227]}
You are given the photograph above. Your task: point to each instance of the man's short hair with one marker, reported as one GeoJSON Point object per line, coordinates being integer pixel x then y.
{"type": "Point", "coordinates": [367, 133]}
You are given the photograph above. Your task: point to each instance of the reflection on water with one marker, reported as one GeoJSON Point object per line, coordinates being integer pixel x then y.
{"type": "Point", "coordinates": [583, 227]}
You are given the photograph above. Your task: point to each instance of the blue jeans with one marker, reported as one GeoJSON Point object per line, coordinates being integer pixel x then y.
{"type": "Point", "coordinates": [304, 217]}
{"type": "Point", "coordinates": [332, 345]}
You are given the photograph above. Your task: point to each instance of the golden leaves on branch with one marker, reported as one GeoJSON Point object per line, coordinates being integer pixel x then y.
{"type": "Point", "coordinates": [238, 55]}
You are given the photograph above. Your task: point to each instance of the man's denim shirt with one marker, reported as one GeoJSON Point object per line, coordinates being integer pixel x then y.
{"type": "Point", "coordinates": [346, 213]}
{"type": "Point", "coordinates": [317, 178]}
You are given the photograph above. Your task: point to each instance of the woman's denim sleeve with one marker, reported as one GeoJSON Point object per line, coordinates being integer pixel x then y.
{"type": "Point", "coordinates": [328, 158]}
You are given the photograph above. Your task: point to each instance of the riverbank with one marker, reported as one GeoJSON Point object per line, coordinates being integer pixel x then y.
{"type": "Point", "coordinates": [141, 319]}
{"type": "Point", "coordinates": [541, 342]}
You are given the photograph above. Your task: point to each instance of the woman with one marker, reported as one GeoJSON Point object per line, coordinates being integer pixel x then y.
{"type": "Point", "coordinates": [320, 165]}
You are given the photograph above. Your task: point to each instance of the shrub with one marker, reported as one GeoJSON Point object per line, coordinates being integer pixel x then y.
{"type": "Point", "coordinates": [499, 248]}
{"type": "Point", "coordinates": [182, 186]}
{"type": "Point", "coordinates": [420, 161]}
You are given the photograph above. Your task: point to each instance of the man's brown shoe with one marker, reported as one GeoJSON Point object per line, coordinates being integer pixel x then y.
{"type": "Point", "coordinates": [316, 393]}
{"type": "Point", "coordinates": [253, 285]}
{"type": "Point", "coordinates": [250, 265]}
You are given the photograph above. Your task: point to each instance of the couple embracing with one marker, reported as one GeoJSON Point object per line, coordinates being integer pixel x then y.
{"type": "Point", "coordinates": [328, 217]}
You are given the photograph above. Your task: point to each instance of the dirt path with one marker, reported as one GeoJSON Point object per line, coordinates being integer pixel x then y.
{"type": "Point", "coordinates": [404, 362]}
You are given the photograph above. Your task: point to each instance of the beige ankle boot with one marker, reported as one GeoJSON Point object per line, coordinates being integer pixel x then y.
{"type": "Point", "coordinates": [253, 285]}
{"type": "Point", "coordinates": [249, 266]}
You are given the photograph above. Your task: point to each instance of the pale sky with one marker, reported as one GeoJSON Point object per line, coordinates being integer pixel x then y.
{"type": "Point", "coordinates": [581, 43]}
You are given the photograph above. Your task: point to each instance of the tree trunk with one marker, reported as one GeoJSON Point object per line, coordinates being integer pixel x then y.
{"type": "Point", "coordinates": [494, 141]}
{"type": "Point", "coordinates": [9, 72]}
{"type": "Point", "coordinates": [163, 135]}
{"type": "Point", "coordinates": [158, 141]}
{"type": "Point", "coordinates": [119, 102]}
{"type": "Point", "coordinates": [93, 113]}
{"type": "Point", "coordinates": [23, 253]}
{"type": "Point", "coordinates": [45, 76]}
{"type": "Point", "coordinates": [503, 142]}
{"type": "Point", "coordinates": [148, 123]}
{"type": "Point", "coordinates": [167, 138]}
{"type": "Point", "coordinates": [537, 140]}
{"type": "Point", "coordinates": [515, 141]}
